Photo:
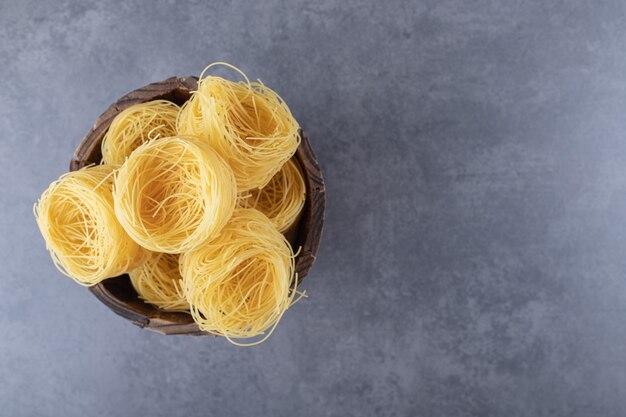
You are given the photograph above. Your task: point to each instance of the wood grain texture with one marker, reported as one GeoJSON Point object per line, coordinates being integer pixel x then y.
{"type": "Point", "coordinates": [117, 293]}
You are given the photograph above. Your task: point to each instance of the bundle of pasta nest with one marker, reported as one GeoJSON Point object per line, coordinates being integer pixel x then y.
{"type": "Point", "coordinates": [191, 202]}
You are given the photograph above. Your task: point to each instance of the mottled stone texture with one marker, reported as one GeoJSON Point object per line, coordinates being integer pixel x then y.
{"type": "Point", "coordinates": [474, 258]}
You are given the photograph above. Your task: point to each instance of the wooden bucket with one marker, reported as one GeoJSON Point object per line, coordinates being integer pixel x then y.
{"type": "Point", "coordinates": [117, 293]}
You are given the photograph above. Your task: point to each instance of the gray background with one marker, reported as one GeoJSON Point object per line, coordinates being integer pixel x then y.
{"type": "Point", "coordinates": [475, 249]}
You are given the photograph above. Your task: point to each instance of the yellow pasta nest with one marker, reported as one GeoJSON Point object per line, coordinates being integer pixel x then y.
{"type": "Point", "coordinates": [240, 283]}
{"type": "Point", "coordinates": [136, 125]}
{"type": "Point", "coordinates": [158, 282]}
{"type": "Point", "coordinates": [77, 220]}
{"type": "Point", "coordinates": [282, 199]}
{"type": "Point", "coordinates": [190, 202]}
{"type": "Point", "coordinates": [173, 194]}
{"type": "Point", "coordinates": [246, 122]}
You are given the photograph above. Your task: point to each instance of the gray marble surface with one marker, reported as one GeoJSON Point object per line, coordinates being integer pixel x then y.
{"type": "Point", "coordinates": [474, 258]}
